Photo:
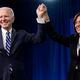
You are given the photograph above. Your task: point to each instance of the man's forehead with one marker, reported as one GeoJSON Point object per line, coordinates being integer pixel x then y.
{"type": "Point", "coordinates": [6, 9]}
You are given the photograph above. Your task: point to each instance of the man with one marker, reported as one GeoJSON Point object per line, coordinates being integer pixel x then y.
{"type": "Point", "coordinates": [73, 41]}
{"type": "Point", "coordinates": [13, 45]}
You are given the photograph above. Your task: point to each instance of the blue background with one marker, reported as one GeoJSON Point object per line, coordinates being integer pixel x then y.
{"type": "Point", "coordinates": [49, 60]}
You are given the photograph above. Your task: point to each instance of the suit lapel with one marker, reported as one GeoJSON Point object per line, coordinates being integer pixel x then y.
{"type": "Point", "coordinates": [77, 39]}
{"type": "Point", "coordinates": [75, 45]}
{"type": "Point", "coordinates": [13, 35]}
{"type": "Point", "coordinates": [1, 40]}
{"type": "Point", "coordinates": [13, 40]}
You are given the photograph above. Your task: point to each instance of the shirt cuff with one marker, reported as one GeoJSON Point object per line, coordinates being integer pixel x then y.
{"type": "Point", "coordinates": [41, 20]}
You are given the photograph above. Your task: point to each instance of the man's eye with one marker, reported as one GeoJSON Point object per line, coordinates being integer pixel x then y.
{"type": "Point", "coordinates": [6, 16]}
{"type": "Point", "coordinates": [0, 16]}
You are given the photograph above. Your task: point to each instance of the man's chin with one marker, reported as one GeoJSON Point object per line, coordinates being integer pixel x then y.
{"type": "Point", "coordinates": [5, 28]}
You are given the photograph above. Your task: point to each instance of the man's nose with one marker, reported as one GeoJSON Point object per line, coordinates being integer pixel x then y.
{"type": "Point", "coordinates": [3, 19]}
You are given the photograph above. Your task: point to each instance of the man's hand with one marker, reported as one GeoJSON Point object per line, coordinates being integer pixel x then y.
{"type": "Point", "coordinates": [41, 12]}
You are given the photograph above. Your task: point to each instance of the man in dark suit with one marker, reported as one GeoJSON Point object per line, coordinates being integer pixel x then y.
{"type": "Point", "coordinates": [13, 45]}
{"type": "Point", "coordinates": [73, 41]}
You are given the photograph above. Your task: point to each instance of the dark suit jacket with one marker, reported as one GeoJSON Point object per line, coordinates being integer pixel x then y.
{"type": "Point", "coordinates": [70, 41]}
{"type": "Point", "coordinates": [20, 39]}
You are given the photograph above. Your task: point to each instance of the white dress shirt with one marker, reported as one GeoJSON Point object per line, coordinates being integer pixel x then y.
{"type": "Point", "coordinates": [4, 36]}
{"type": "Point", "coordinates": [78, 47]}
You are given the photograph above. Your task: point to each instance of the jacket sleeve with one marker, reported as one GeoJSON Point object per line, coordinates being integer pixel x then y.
{"type": "Point", "coordinates": [49, 29]}
{"type": "Point", "coordinates": [37, 37]}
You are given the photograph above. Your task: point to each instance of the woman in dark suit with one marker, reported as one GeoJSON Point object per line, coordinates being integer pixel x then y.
{"type": "Point", "coordinates": [72, 41]}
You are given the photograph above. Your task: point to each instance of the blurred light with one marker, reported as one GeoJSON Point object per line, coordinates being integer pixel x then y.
{"type": "Point", "coordinates": [49, 0]}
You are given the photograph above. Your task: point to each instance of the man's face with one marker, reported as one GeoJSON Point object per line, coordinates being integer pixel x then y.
{"type": "Point", "coordinates": [6, 18]}
{"type": "Point", "coordinates": [77, 24]}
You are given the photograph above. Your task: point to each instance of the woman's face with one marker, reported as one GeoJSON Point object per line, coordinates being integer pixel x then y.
{"type": "Point", "coordinates": [77, 24]}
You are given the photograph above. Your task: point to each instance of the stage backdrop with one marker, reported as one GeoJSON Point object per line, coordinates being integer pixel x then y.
{"type": "Point", "coordinates": [49, 60]}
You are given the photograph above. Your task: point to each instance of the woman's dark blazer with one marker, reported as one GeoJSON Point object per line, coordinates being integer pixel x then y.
{"type": "Point", "coordinates": [70, 41]}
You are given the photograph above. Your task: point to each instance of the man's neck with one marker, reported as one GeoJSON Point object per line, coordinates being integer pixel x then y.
{"type": "Point", "coordinates": [8, 29]}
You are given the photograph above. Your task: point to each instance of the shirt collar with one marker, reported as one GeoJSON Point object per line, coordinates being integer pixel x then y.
{"type": "Point", "coordinates": [4, 30]}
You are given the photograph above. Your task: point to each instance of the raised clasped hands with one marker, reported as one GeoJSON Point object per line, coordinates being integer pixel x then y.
{"type": "Point", "coordinates": [41, 11]}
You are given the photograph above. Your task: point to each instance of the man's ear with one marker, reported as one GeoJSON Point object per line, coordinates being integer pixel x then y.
{"type": "Point", "coordinates": [13, 19]}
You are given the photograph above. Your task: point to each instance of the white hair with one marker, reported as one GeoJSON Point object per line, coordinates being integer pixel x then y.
{"type": "Point", "coordinates": [9, 9]}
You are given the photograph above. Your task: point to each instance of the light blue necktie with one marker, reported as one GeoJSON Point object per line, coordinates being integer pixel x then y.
{"type": "Point", "coordinates": [8, 42]}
